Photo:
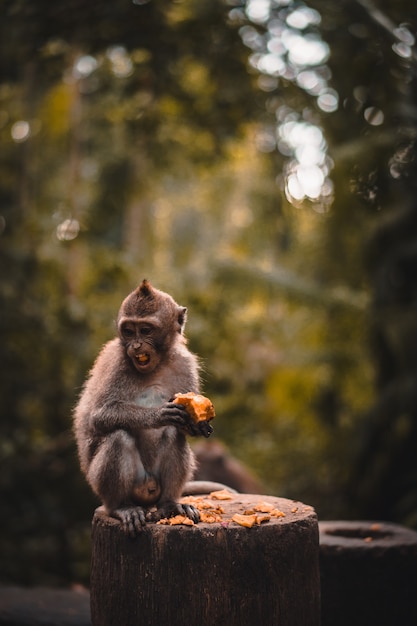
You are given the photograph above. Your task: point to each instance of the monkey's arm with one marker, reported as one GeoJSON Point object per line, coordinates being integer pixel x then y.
{"type": "Point", "coordinates": [133, 418]}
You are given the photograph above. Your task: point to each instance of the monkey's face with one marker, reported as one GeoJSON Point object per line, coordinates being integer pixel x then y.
{"type": "Point", "coordinates": [150, 323]}
{"type": "Point", "coordinates": [142, 342]}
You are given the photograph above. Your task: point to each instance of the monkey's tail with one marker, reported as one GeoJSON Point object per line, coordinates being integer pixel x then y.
{"type": "Point", "coordinates": [196, 487]}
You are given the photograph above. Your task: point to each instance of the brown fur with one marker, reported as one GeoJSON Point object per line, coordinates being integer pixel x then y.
{"type": "Point", "coordinates": [131, 438]}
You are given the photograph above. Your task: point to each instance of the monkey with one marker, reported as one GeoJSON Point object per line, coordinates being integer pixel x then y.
{"type": "Point", "coordinates": [131, 437]}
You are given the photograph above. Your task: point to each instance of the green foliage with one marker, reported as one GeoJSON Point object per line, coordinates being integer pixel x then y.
{"type": "Point", "coordinates": [140, 140]}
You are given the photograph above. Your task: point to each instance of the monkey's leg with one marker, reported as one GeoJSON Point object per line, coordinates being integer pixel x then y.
{"type": "Point", "coordinates": [117, 475]}
{"type": "Point", "coordinates": [174, 466]}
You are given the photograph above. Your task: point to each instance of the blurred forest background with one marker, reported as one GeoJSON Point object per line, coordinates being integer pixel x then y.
{"type": "Point", "coordinates": [257, 160]}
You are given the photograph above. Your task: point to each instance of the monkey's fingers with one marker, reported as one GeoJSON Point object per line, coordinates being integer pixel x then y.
{"type": "Point", "coordinates": [205, 429]}
{"type": "Point", "coordinates": [187, 510]}
{"type": "Point", "coordinates": [182, 419]}
{"type": "Point", "coordinates": [175, 415]}
{"type": "Point", "coordinates": [193, 430]}
{"type": "Point", "coordinates": [172, 407]}
{"type": "Point", "coordinates": [198, 429]}
{"type": "Point", "coordinates": [132, 519]}
{"type": "Point", "coordinates": [171, 509]}
{"type": "Point", "coordinates": [191, 511]}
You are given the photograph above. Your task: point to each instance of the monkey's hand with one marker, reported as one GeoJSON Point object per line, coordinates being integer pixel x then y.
{"type": "Point", "coordinates": [173, 414]}
{"type": "Point", "coordinates": [132, 518]}
{"type": "Point", "coordinates": [170, 509]}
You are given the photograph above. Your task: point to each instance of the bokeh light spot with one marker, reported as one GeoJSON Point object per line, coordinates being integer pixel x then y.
{"type": "Point", "coordinates": [328, 101]}
{"type": "Point", "coordinates": [303, 17]}
{"type": "Point", "coordinates": [68, 230]}
{"type": "Point", "coordinates": [402, 50]}
{"type": "Point", "coordinates": [20, 131]}
{"type": "Point", "coordinates": [121, 64]}
{"type": "Point", "coordinates": [84, 66]}
{"type": "Point", "coordinates": [374, 116]}
{"type": "Point", "coordinates": [258, 10]}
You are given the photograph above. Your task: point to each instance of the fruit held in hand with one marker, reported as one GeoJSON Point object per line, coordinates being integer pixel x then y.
{"type": "Point", "coordinates": [199, 408]}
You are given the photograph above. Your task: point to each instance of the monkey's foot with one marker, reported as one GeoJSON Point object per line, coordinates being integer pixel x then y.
{"type": "Point", "coordinates": [132, 519]}
{"type": "Point", "coordinates": [170, 509]}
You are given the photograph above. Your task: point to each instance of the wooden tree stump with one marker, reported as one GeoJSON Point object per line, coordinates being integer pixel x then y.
{"type": "Point", "coordinates": [210, 573]}
{"type": "Point", "coordinates": [368, 574]}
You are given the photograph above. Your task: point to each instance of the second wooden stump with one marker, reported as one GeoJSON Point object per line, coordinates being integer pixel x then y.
{"type": "Point", "coordinates": [210, 573]}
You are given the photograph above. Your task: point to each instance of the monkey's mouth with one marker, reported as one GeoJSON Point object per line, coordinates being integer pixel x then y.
{"type": "Point", "coordinates": [143, 358]}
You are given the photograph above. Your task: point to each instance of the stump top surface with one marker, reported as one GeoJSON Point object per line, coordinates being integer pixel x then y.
{"type": "Point", "coordinates": [365, 535]}
{"type": "Point", "coordinates": [234, 511]}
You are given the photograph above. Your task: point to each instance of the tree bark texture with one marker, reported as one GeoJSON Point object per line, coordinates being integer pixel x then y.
{"type": "Point", "coordinates": [368, 574]}
{"type": "Point", "coordinates": [209, 573]}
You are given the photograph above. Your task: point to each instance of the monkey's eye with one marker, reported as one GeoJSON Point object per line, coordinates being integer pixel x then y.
{"type": "Point", "coordinates": [128, 332]}
{"type": "Point", "coordinates": [145, 330]}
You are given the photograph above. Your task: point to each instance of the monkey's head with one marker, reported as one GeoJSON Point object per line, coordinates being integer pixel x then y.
{"type": "Point", "coordinates": [149, 323]}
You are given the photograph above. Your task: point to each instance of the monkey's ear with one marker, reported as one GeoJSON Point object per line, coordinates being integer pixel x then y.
{"type": "Point", "coordinates": [145, 288]}
{"type": "Point", "coordinates": [182, 317]}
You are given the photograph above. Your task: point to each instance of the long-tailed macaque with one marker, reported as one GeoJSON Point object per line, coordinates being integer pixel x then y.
{"type": "Point", "coordinates": [131, 437]}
